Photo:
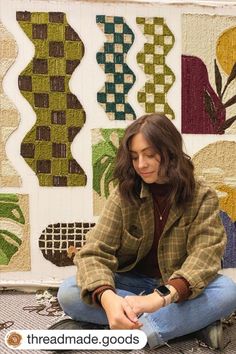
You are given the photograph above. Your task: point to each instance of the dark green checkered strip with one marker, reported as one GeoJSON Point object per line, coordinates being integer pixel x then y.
{"type": "Point", "coordinates": [45, 85]}
{"type": "Point", "coordinates": [112, 59]}
{"type": "Point", "coordinates": [160, 40]}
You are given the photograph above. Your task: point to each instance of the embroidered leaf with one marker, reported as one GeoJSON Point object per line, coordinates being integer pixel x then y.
{"type": "Point", "coordinates": [210, 107]}
{"type": "Point", "coordinates": [218, 79]}
{"type": "Point", "coordinates": [8, 246]}
{"type": "Point", "coordinates": [99, 169]}
{"type": "Point", "coordinates": [104, 154]}
{"type": "Point", "coordinates": [231, 101]}
{"type": "Point", "coordinates": [103, 149]}
{"type": "Point", "coordinates": [8, 197]}
{"type": "Point", "coordinates": [12, 211]}
{"type": "Point", "coordinates": [226, 124]}
{"type": "Point", "coordinates": [108, 178]}
{"type": "Point", "coordinates": [12, 236]}
{"type": "Point", "coordinates": [231, 77]}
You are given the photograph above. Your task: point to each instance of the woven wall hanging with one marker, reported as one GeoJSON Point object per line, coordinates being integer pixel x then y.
{"type": "Point", "coordinates": [44, 83]}
{"type": "Point", "coordinates": [229, 258]}
{"type": "Point", "coordinates": [217, 164]}
{"type": "Point", "coordinates": [105, 143]}
{"type": "Point", "coordinates": [152, 59]}
{"type": "Point", "coordinates": [59, 242]}
{"type": "Point", "coordinates": [14, 233]}
{"type": "Point", "coordinates": [112, 59]}
{"type": "Point", "coordinates": [208, 74]}
{"type": "Point", "coordinates": [9, 116]}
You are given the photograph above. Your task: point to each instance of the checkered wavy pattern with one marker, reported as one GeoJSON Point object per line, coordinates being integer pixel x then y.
{"type": "Point", "coordinates": [160, 40]}
{"type": "Point", "coordinates": [56, 239]}
{"type": "Point", "coordinates": [112, 59]}
{"type": "Point", "coordinates": [45, 85]}
{"type": "Point", "coordinates": [9, 116]}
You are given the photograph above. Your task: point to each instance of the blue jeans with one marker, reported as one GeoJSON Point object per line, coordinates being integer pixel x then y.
{"type": "Point", "coordinates": [217, 301]}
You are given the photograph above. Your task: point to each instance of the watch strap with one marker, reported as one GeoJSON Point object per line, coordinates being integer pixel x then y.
{"type": "Point", "coordinates": [174, 295]}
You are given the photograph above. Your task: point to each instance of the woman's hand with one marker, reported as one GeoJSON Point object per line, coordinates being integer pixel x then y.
{"type": "Point", "coordinates": [146, 303]}
{"type": "Point", "coordinates": [119, 313]}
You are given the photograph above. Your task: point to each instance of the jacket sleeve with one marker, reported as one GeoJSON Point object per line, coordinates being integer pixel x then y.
{"type": "Point", "coordinates": [205, 245]}
{"type": "Point", "coordinates": [96, 261]}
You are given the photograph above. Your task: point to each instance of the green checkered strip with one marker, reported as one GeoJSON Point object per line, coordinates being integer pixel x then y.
{"type": "Point", "coordinates": [45, 85]}
{"type": "Point", "coordinates": [112, 59]}
{"type": "Point", "coordinates": [153, 96]}
{"type": "Point", "coordinates": [56, 240]}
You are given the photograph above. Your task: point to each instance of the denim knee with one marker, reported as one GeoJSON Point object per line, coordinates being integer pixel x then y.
{"type": "Point", "coordinates": [68, 293]}
{"type": "Point", "coordinates": [230, 291]}
{"type": "Point", "coordinates": [63, 296]}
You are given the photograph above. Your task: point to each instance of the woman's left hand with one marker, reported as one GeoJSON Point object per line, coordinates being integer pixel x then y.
{"type": "Point", "coordinates": [145, 303]}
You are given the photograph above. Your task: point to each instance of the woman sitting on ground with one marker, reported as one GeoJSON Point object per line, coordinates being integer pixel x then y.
{"type": "Point", "coordinates": [159, 235]}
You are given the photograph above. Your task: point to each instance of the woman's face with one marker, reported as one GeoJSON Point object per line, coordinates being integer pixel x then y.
{"type": "Point", "coordinates": [145, 159]}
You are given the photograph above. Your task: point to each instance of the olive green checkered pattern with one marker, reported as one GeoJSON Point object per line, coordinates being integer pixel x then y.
{"type": "Point", "coordinates": [45, 85]}
{"type": "Point", "coordinates": [160, 40]}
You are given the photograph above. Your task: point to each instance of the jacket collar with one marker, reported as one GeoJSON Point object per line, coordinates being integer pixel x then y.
{"type": "Point", "coordinates": [175, 211]}
{"type": "Point", "coordinates": [145, 191]}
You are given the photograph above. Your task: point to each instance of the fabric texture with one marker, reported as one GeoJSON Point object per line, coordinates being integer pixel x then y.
{"type": "Point", "coordinates": [216, 163]}
{"type": "Point", "coordinates": [45, 85]}
{"type": "Point", "coordinates": [105, 144]}
{"type": "Point", "coordinates": [14, 232]}
{"type": "Point", "coordinates": [191, 245]}
{"type": "Point", "coordinates": [152, 60]}
{"type": "Point", "coordinates": [9, 116]}
{"type": "Point", "coordinates": [148, 265]}
{"type": "Point", "coordinates": [58, 242]}
{"type": "Point", "coordinates": [112, 59]}
{"type": "Point", "coordinates": [208, 74]}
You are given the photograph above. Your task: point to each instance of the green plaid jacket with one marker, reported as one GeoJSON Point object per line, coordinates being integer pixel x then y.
{"type": "Point", "coordinates": [191, 245]}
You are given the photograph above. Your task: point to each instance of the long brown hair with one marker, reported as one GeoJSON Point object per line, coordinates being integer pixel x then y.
{"type": "Point", "coordinates": [176, 166]}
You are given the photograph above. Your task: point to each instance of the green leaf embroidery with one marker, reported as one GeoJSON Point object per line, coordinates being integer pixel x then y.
{"type": "Point", "coordinates": [104, 154]}
{"type": "Point", "coordinates": [9, 198]}
{"type": "Point", "coordinates": [8, 246]}
{"type": "Point", "coordinates": [12, 211]}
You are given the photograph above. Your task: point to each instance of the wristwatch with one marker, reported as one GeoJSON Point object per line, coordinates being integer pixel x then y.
{"type": "Point", "coordinates": [164, 292]}
{"type": "Point", "coordinates": [174, 295]}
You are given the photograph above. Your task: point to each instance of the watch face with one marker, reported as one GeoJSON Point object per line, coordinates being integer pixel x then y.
{"type": "Point", "coordinates": [163, 290]}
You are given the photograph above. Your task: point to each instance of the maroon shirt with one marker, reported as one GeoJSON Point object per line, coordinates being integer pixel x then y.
{"type": "Point", "coordinates": [160, 194]}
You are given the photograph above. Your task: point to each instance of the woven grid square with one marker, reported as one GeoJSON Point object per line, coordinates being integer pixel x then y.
{"type": "Point", "coordinates": [56, 241]}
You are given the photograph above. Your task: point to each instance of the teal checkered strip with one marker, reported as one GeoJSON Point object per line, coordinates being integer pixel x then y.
{"type": "Point", "coordinates": [112, 59]}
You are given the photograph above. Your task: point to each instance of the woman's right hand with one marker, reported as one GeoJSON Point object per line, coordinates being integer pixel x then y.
{"type": "Point", "coordinates": [119, 313]}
